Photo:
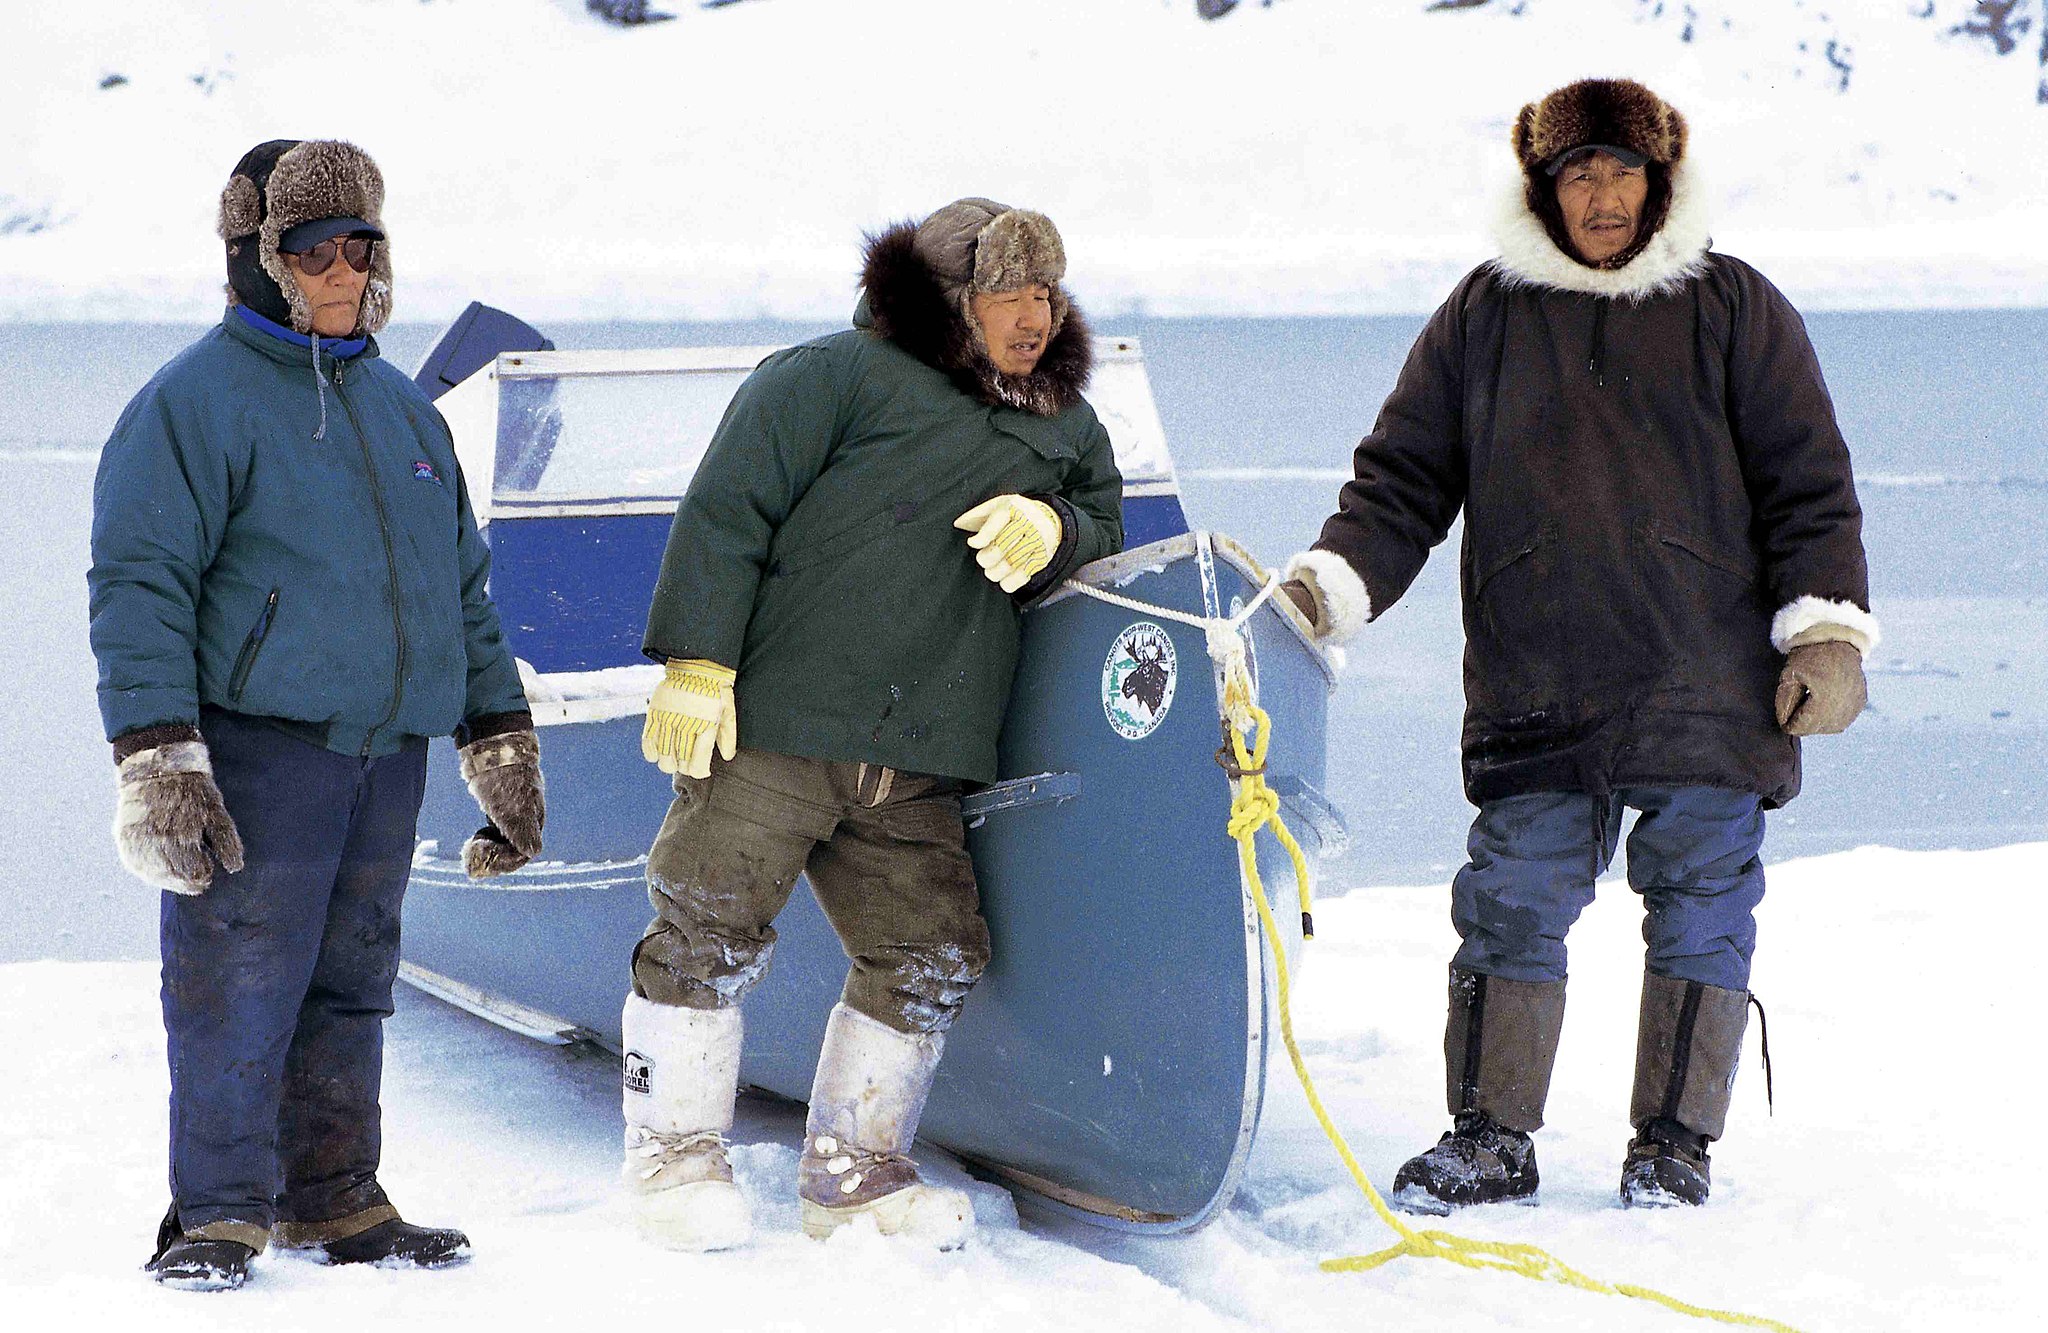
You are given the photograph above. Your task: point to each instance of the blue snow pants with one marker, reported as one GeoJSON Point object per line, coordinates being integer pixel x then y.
{"type": "Point", "coordinates": [277, 981]}
{"type": "Point", "coordinates": [1692, 855]}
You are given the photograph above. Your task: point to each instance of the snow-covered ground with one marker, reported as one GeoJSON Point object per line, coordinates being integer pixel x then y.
{"type": "Point", "coordinates": [1893, 1187]}
{"type": "Point", "coordinates": [1310, 156]}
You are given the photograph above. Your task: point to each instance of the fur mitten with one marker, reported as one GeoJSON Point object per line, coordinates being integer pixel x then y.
{"type": "Point", "coordinates": [503, 773]}
{"type": "Point", "coordinates": [171, 824]}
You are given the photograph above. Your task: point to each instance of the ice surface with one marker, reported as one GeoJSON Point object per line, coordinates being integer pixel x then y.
{"type": "Point", "coordinates": [1954, 751]}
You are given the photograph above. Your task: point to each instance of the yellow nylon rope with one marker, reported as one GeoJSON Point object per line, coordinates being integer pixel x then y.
{"type": "Point", "coordinates": [1254, 806]}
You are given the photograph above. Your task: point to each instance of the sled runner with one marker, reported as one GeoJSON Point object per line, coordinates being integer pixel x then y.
{"type": "Point", "coordinates": [1111, 1060]}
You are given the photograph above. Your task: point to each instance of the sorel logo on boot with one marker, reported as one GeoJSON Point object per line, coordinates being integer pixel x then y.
{"type": "Point", "coordinates": [639, 1073]}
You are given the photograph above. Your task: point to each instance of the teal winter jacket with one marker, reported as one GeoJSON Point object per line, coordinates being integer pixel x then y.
{"type": "Point", "coordinates": [292, 548]}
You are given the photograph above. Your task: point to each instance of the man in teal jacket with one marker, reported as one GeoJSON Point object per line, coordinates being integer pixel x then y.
{"type": "Point", "coordinates": [838, 610]}
{"type": "Point", "coordinates": [288, 598]}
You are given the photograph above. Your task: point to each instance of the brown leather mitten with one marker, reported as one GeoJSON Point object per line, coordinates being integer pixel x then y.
{"type": "Point", "coordinates": [1304, 600]}
{"type": "Point", "coordinates": [1821, 689]}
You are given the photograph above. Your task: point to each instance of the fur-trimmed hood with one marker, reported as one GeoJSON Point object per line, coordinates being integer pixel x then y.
{"type": "Point", "coordinates": [1674, 255]}
{"type": "Point", "coordinates": [905, 300]}
{"type": "Point", "coordinates": [276, 186]}
{"type": "Point", "coordinates": [1624, 116]}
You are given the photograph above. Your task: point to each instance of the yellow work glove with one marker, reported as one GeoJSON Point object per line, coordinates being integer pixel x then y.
{"type": "Point", "coordinates": [1013, 536]}
{"type": "Point", "coordinates": [691, 710]}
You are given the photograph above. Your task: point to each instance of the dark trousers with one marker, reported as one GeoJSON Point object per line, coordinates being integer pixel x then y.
{"type": "Point", "coordinates": [1692, 855]}
{"type": "Point", "coordinates": [277, 981]}
{"type": "Point", "coordinates": [887, 857]}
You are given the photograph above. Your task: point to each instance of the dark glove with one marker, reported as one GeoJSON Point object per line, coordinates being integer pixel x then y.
{"type": "Point", "coordinates": [1821, 689]}
{"type": "Point", "coordinates": [1304, 600]}
{"type": "Point", "coordinates": [503, 773]}
{"type": "Point", "coordinates": [171, 824]}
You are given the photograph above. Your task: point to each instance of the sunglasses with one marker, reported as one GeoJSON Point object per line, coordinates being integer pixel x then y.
{"type": "Point", "coordinates": [355, 249]}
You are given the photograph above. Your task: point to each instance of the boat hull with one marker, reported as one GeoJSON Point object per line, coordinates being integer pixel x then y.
{"type": "Point", "coordinates": [1111, 1058]}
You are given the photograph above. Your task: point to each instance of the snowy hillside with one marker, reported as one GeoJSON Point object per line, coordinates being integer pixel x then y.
{"type": "Point", "coordinates": [1309, 156]}
{"type": "Point", "coordinates": [1844, 1209]}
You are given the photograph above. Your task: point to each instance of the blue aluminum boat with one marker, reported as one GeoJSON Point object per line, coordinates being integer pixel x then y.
{"type": "Point", "coordinates": [1111, 1062]}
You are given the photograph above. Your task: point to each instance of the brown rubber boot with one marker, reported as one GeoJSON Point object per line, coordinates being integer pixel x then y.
{"type": "Point", "coordinates": [1500, 1042]}
{"type": "Point", "coordinates": [867, 1098]}
{"type": "Point", "coordinates": [1688, 1042]}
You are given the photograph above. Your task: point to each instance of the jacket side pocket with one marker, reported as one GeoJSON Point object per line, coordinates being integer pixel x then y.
{"type": "Point", "coordinates": [252, 647]}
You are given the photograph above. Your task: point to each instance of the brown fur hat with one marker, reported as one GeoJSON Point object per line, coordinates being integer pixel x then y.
{"type": "Point", "coordinates": [276, 186]}
{"type": "Point", "coordinates": [978, 245]}
{"type": "Point", "coordinates": [924, 308]}
{"type": "Point", "coordinates": [1620, 112]}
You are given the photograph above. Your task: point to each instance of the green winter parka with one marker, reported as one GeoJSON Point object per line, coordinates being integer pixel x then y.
{"type": "Point", "coordinates": [334, 584]}
{"type": "Point", "coordinates": [815, 550]}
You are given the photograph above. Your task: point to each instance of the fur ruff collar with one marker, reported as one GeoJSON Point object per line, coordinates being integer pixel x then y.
{"type": "Point", "coordinates": [909, 305]}
{"type": "Point", "coordinates": [1675, 255]}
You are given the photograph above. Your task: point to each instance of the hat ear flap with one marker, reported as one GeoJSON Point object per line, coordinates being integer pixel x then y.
{"type": "Point", "coordinates": [1676, 133]}
{"type": "Point", "coordinates": [376, 308]}
{"type": "Point", "coordinates": [241, 208]}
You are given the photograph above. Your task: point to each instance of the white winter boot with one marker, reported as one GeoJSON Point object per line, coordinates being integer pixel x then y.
{"type": "Point", "coordinates": [682, 1071]}
{"type": "Point", "coordinates": [865, 1102]}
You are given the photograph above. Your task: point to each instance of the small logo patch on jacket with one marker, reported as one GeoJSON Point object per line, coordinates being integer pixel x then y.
{"type": "Point", "coordinates": [639, 1073]}
{"type": "Point", "coordinates": [422, 470]}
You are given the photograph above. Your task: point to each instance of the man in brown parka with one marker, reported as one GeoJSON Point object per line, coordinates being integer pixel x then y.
{"type": "Point", "coordinates": [1664, 588]}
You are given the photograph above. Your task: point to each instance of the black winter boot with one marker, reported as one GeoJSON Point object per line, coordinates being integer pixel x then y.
{"type": "Point", "coordinates": [1479, 1161]}
{"type": "Point", "coordinates": [191, 1263]}
{"type": "Point", "coordinates": [1666, 1166]}
{"type": "Point", "coordinates": [1688, 1041]}
{"type": "Point", "coordinates": [1500, 1040]}
{"type": "Point", "coordinates": [375, 1235]}
{"type": "Point", "coordinates": [401, 1244]}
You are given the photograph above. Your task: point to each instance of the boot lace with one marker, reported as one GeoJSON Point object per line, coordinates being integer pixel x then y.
{"type": "Point", "coordinates": [850, 1166]}
{"type": "Point", "coordinates": [660, 1151]}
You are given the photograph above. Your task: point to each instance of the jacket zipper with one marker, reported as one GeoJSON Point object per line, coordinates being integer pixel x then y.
{"type": "Point", "coordinates": [252, 648]}
{"type": "Point", "coordinates": [1597, 362]}
{"type": "Point", "coordinates": [390, 562]}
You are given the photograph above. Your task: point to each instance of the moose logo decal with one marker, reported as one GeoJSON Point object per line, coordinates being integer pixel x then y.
{"type": "Point", "coordinates": [1137, 680]}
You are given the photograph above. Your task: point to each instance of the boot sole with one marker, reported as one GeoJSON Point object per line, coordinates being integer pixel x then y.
{"type": "Point", "coordinates": [1654, 1197]}
{"type": "Point", "coordinates": [697, 1218]}
{"type": "Point", "coordinates": [1420, 1202]}
{"type": "Point", "coordinates": [201, 1281]}
{"type": "Point", "coordinates": [898, 1214]}
{"type": "Point", "coordinates": [319, 1254]}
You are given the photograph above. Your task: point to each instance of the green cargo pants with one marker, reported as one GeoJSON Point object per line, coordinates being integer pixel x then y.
{"type": "Point", "coordinates": [887, 856]}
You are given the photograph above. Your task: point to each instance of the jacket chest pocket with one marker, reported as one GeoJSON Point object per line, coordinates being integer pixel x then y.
{"type": "Point", "coordinates": [419, 497]}
{"type": "Point", "coordinates": [1044, 437]}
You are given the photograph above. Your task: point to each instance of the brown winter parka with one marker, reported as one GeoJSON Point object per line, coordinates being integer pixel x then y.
{"type": "Point", "coordinates": [1651, 474]}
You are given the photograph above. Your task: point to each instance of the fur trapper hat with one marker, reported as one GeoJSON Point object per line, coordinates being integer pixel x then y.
{"type": "Point", "coordinates": [1617, 113]}
{"type": "Point", "coordinates": [919, 279]}
{"type": "Point", "coordinates": [276, 186]}
{"type": "Point", "coordinates": [1620, 112]}
{"type": "Point", "coordinates": [978, 245]}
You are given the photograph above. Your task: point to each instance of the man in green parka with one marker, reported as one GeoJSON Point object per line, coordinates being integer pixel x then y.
{"type": "Point", "coordinates": [838, 611]}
